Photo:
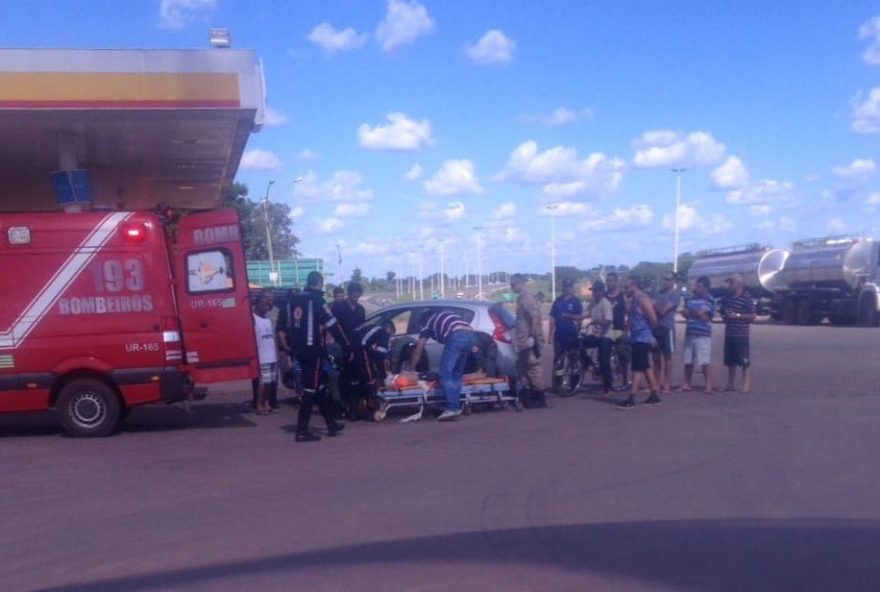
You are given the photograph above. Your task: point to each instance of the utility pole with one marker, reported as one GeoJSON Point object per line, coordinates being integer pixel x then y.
{"type": "Point", "coordinates": [479, 230]}
{"type": "Point", "coordinates": [678, 173]}
{"type": "Point", "coordinates": [552, 208]}
{"type": "Point", "coordinates": [273, 273]}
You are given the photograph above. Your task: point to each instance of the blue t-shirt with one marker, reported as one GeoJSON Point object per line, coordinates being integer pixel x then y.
{"type": "Point", "coordinates": [566, 329]}
{"type": "Point", "coordinates": [698, 327]}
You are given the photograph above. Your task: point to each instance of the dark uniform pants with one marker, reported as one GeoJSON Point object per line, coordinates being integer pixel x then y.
{"type": "Point", "coordinates": [314, 392]}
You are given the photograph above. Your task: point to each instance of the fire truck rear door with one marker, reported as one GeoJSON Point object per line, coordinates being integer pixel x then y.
{"type": "Point", "coordinates": [212, 295]}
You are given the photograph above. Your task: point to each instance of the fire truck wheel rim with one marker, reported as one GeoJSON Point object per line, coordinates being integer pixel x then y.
{"type": "Point", "coordinates": [87, 409]}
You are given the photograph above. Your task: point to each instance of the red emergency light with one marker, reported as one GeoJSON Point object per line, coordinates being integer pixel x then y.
{"type": "Point", "coordinates": [134, 232]}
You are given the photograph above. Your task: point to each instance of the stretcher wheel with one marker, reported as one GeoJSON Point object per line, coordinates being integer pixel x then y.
{"type": "Point", "coordinates": [466, 410]}
{"type": "Point", "coordinates": [379, 415]}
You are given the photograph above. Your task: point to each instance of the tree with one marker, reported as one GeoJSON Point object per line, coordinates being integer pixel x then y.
{"type": "Point", "coordinates": [389, 276]}
{"type": "Point", "coordinates": [357, 275]}
{"type": "Point", "coordinates": [253, 225]}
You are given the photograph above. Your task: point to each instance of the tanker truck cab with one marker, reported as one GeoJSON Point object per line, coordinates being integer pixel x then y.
{"type": "Point", "coordinates": [103, 311]}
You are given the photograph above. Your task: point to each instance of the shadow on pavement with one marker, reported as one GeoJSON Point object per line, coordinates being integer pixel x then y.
{"type": "Point", "coordinates": [714, 555]}
{"type": "Point", "coordinates": [149, 418]}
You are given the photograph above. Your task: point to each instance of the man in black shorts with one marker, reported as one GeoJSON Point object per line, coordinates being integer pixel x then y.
{"type": "Point", "coordinates": [738, 310]}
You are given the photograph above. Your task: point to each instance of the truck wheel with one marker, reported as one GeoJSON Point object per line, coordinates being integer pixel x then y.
{"type": "Point", "coordinates": [789, 311]}
{"type": "Point", "coordinates": [867, 311]}
{"type": "Point", "coordinates": [804, 314]}
{"type": "Point", "coordinates": [88, 407]}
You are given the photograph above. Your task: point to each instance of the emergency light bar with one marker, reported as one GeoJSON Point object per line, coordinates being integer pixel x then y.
{"type": "Point", "coordinates": [134, 232]}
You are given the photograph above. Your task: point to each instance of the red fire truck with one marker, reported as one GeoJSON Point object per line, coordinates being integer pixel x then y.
{"type": "Point", "coordinates": [102, 311]}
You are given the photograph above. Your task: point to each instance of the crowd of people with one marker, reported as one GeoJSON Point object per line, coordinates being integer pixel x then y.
{"type": "Point", "coordinates": [646, 322]}
{"type": "Point", "coordinates": [310, 332]}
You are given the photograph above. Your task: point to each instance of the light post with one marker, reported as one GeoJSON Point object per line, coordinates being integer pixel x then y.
{"type": "Point", "coordinates": [295, 256]}
{"type": "Point", "coordinates": [479, 230]}
{"type": "Point", "coordinates": [421, 276]}
{"type": "Point", "coordinates": [442, 271]}
{"type": "Point", "coordinates": [678, 173]}
{"type": "Point", "coordinates": [339, 264]}
{"type": "Point", "coordinates": [273, 274]}
{"type": "Point", "coordinates": [552, 208]}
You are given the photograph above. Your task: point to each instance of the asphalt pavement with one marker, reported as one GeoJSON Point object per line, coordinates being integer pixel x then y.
{"type": "Point", "coordinates": [776, 490]}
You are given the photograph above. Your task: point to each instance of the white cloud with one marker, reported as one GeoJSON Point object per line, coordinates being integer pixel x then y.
{"type": "Point", "coordinates": [760, 210]}
{"type": "Point", "coordinates": [177, 14]}
{"type": "Point", "coordinates": [297, 212]}
{"type": "Point", "coordinates": [332, 40]}
{"type": "Point", "coordinates": [454, 211]}
{"type": "Point", "coordinates": [328, 225]}
{"type": "Point", "coordinates": [274, 118]}
{"type": "Point", "coordinates": [401, 133]}
{"type": "Point", "coordinates": [872, 203]}
{"type": "Point", "coordinates": [664, 148]}
{"type": "Point", "coordinates": [871, 30]}
{"type": "Point", "coordinates": [568, 209]}
{"type": "Point", "coordinates": [836, 225]}
{"type": "Point", "coordinates": [858, 171]}
{"type": "Point", "coordinates": [787, 223]}
{"type": "Point", "coordinates": [260, 160]}
{"type": "Point", "coordinates": [866, 114]}
{"type": "Point", "coordinates": [352, 210]}
{"type": "Point", "coordinates": [690, 220]}
{"type": "Point", "coordinates": [505, 211]}
{"type": "Point", "coordinates": [342, 186]}
{"type": "Point", "coordinates": [562, 172]}
{"type": "Point", "coordinates": [730, 175]}
{"type": "Point", "coordinates": [414, 173]}
{"type": "Point", "coordinates": [561, 116]}
{"type": "Point", "coordinates": [371, 248]}
{"type": "Point", "coordinates": [767, 191]}
{"type": "Point", "coordinates": [512, 234]}
{"type": "Point", "coordinates": [455, 177]}
{"type": "Point", "coordinates": [493, 48]}
{"type": "Point", "coordinates": [307, 154]}
{"type": "Point", "coordinates": [405, 21]}
{"type": "Point", "coordinates": [620, 218]}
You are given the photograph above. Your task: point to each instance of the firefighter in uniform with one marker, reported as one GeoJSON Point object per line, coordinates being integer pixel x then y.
{"type": "Point", "coordinates": [350, 315]}
{"type": "Point", "coordinates": [368, 364]}
{"type": "Point", "coordinates": [529, 340]}
{"type": "Point", "coordinates": [302, 326]}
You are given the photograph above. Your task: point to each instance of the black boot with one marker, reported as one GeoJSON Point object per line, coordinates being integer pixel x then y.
{"type": "Point", "coordinates": [540, 400]}
{"type": "Point", "coordinates": [525, 397]}
{"type": "Point", "coordinates": [334, 428]}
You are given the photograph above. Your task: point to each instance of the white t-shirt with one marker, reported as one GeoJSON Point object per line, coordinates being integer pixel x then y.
{"type": "Point", "coordinates": [601, 313]}
{"type": "Point", "coordinates": [267, 353]}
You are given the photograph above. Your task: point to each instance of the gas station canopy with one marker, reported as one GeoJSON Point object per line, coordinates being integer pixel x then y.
{"type": "Point", "coordinates": [148, 126]}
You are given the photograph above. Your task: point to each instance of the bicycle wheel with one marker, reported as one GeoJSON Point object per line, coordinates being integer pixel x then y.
{"type": "Point", "coordinates": [569, 375]}
{"type": "Point", "coordinates": [620, 367]}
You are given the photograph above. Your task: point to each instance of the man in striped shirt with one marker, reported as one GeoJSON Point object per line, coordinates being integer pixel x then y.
{"type": "Point", "coordinates": [698, 310]}
{"type": "Point", "coordinates": [738, 311]}
{"type": "Point", "coordinates": [457, 338]}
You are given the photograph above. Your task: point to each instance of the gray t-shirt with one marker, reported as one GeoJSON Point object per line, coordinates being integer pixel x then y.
{"type": "Point", "coordinates": [661, 301]}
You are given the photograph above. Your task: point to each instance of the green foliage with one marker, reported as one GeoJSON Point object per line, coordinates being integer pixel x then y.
{"type": "Point", "coordinates": [357, 275]}
{"type": "Point", "coordinates": [253, 224]}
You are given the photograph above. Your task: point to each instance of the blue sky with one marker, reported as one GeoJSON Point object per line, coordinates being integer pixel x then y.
{"type": "Point", "coordinates": [411, 123]}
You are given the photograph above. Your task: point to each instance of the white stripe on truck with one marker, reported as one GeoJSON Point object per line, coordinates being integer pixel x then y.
{"type": "Point", "coordinates": [61, 280]}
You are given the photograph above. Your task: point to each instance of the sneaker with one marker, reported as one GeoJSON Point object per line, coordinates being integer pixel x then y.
{"type": "Point", "coordinates": [653, 400]}
{"type": "Point", "coordinates": [307, 437]}
{"type": "Point", "coordinates": [334, 428]}
{"type": "Point", "coordinates": [449, 415]}
{"type": "Point", "coordinates": [627, 404]}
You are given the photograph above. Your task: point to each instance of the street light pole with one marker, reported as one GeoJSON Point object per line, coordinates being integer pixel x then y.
{"type": "Point", "coordinates": [273, 275]}
{"type": "Point", "coordinates": [678, 173]}
{"type": "Point", "coordinates": [552, 208]}
{"type": "Point", "coordinates": [479, 230]}
{"type": "Point", "coordinates": [421, 276]}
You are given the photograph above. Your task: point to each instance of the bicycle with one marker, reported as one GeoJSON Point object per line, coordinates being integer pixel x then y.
{"type": "Point", "coordinates": [581, 362]}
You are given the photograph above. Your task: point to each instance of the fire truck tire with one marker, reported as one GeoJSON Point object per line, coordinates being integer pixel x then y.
{"type": "Point", "coordinates": [88, 407]}
{"type": "Point", "coordinates": [868, 311]}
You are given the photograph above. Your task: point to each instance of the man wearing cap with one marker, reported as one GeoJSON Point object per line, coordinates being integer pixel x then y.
{"type": "Point", "coordinates": [529, 338]}
{"type": "Point", "coordinates": [738, 311]}
{"type": "Point", "coordinates": [565, 321]}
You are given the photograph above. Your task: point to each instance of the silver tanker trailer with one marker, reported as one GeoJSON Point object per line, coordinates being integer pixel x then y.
{"type": "Point", "coordinates": [837, 278]}
{"type": "Point", "coordinates": [759, 267]}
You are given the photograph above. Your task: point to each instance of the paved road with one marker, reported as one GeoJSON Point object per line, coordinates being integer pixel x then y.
{"type": "Point", "coordinates": [773, 491]}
